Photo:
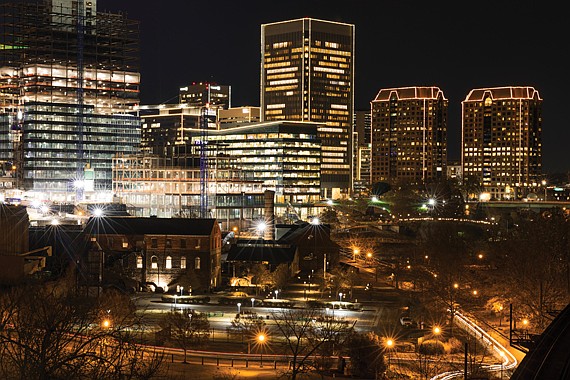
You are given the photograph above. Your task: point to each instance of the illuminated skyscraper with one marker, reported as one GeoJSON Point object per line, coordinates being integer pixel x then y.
{"type": "Point", "coordinates": [307, 74]}
{"type": "Point", "coordinates": [409, 135]}
{"type": "Point", "coordinates": [68, 80]}
{"type": "Point", "coordinates": [501, 140]}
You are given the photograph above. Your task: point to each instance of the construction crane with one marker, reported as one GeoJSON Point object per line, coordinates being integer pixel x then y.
{"type": "Point", "coordinates": [204, 162]}
{"type": "Point", "coordinates": [80, 175]}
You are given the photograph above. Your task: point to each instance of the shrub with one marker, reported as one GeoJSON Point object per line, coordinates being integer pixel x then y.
{"type": "Point", "coordinates": [432, 347]}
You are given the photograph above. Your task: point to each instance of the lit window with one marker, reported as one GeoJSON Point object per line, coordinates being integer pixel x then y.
{"type": "Point", "coordinates": [197, 263]}
{"type": "Point", "coordinates": [154, 262]}
{"type": "Point", "coordinates": [139, 262]}
{"type": "Point", "coordinates": [168, 262]}
{"type": "Point", "coordinates": [183, 262]}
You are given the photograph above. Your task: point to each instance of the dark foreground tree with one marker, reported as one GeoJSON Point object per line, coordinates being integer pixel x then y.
{"type": "Point", "coordinates": [49, 332]}
{"type": "Point", "coordinates": [366, 356]}
{"type": "Point", "coordinates": [309, 337]}
{"type": "Point", "coordinates": [186, 330]}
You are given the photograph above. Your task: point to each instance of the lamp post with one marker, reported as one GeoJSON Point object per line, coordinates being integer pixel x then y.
{"type": "Point", "coordinates": [436, 332]}
{"type": "Point", "coordinates": [305, 289]}
{"type": "Point", "coordinates": [388, 345]}
{"type": "Point", "coordinates": [355, 252]}
{"type": "Point", "coordinates": [339, 299]}
{"type": "Point", "coordinates": [502, 354]}
{"type": "Point", "coordinates": [252, 302]}
{"type": "Point", "coordinates": [175, 298]}
{"type": "Point", "coordinates": [181, 291]}
{"type": "Point", "coordinates": [239, 307]}
{"type": "Point", "coordinates": [276, 293]}
{"type": "Point", "coordinates": [261, 339]}
{"type": "Point", "coordinates": [544, 185]}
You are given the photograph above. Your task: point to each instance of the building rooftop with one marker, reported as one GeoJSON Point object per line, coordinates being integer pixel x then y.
{"type": "Point", "coordinates": [409, 93]}
{"type": "Point", "coordinates": [508, 92]}
{"type": "Point", "coordinates": [149, 226]}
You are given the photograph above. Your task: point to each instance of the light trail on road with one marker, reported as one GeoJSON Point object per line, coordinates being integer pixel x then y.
{"type": "Point", "coordinates": [508, 359]}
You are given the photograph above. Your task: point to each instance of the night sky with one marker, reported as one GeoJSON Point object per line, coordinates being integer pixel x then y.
{"type": "Point", "coordinates": [455, 45]}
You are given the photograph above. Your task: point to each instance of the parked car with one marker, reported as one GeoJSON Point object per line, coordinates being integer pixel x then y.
{"type": "Point", "coordinates": [406, 321]}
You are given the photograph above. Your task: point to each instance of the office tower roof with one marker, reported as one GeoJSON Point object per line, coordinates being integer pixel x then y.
{"type": "Point", "coordinates": [509, 92]}
{"type": "Point", "coordinates": [409, 93]}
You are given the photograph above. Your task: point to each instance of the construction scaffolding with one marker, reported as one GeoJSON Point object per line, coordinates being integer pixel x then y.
{"type": "Point", "coordinates": [54, 54]}
{"type": "Point", "coordinates": [41, 56]}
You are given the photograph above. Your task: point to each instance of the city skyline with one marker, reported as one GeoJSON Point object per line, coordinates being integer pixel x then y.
{"type": "Point", "coordinates": [397, 44]}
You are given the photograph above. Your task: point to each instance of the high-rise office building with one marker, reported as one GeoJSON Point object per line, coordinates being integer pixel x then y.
{"type": "Point", "coordinates": [307, 74]}
{"type": "Point", "coordinates": [167, 128]}
{"type": "Point", "coordinates": [361, 150]}
{"type": "Point", "coordinates": [68, 77]}
{"type": "Point", "coordinates": [502, 140]}
{"type": "Point", "coordinates": [205, 94]}
{"type": "Point", "coordinates": [409, 135]}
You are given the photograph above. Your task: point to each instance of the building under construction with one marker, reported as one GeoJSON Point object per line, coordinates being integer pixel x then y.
{"type": "Point", "coordinates": [66, 72]}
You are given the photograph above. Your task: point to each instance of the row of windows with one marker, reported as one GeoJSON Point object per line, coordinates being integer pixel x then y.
{"type": "Point", "coordinates": [167, 263]}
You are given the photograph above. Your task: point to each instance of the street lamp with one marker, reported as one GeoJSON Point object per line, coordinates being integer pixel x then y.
{"type": "Point", "coordinates": [252, 302]}
{"type": "Point", "coordinates": [305, 289]}
{"type": "Point", "coordinates": [389, 345]}
{"type": "Point", "coordinates": [436, 332]}
{"type": "Point", "coordinates": [261, 227]}
{"type": "Point", "coordinates": [355, 252]}
{"type": "Point", "coordinates": [339, 299]}
{"type": "Point", "coordinates": [261, 339]}
{"type": "Point", "coordinates": [544, 185]}
{"type": "Point", "coordinates": [175, 298]}
{"type": "Point", "coordinates": [239, 307]}
{"type": "Point", "coordinates": [276, 293]}
{"type": "Point", "coordinates": [181, 291]}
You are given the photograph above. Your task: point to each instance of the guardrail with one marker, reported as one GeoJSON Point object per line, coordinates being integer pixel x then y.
{"type": "Point", "coordinates": [508, 359]}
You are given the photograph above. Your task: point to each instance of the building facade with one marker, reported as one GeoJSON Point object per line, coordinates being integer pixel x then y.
{"type": "Point", "coordinates": [162, 253]}
{"type": "Point", "coordinates": [233, 117]}
{"type": "Point", "coordinates": [409, 135]}
{"type": "Point", "coordinates": [68, 77]}
{"type": "Point", "coordinates": [206, 94]}
{"type": "Point", "coordinates": [51, 147]}
{"type": "Point", "coordinates": [284, 155]}
{"type": "Point", "coordinates": [502, 140]}
{"type": "Point", "coordinates": [307, 74]}
{"type": "Point", "coordinates": [362, 134]}
{"type": "Point", "coordinates": [167, 129]}
{"type": "Point", "coordinates": [156, 186]}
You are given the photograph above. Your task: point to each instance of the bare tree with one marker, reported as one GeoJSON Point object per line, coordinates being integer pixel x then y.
{"type": "Point", "coordinates": [281, 276]}
{"type": "Point", "coordinates": [305, 333]}
{"type": "Point", "coordinates": [49, 332]}
{"type": "Point", "coordinates": [536, 285]}
{"type": "Point", "coordinates": [186, 329]}
{"type": "Point", "coordinates": [366, 355]}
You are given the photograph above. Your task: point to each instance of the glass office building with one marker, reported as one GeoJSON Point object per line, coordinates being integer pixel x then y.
{"type": "Point", "coordinates": [285, 156]}
{"type": "Point", "coordinates": [307, 74]}
{"type": "Point", "coordinates": [53, 146]}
